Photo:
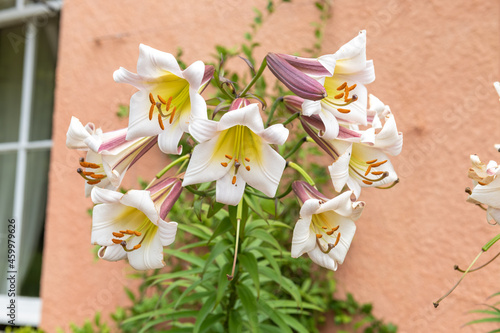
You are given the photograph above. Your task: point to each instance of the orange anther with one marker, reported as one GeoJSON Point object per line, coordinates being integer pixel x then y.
{"type": "Point", "coordinates": [343, 110]}
{"type": "Point", "coordinates": [137, 246]}
{"type": "Point", "coordinates": [228, 156]}
{"type": "Point", "coordinates": [336, 228]}
{"type": "Point", "coordinates": [224, 164]}
{"type": "Point", "coordinates": [248, 168]}
{"type": "Point", "coordinates": [89, 165]}
{"type": "Point", "coordinates": [329, 233]}
{"type": "Point", "coordinates": [234, 180]}
{"type": "Point", "coordinates": [319, 235]}
{"type": "Point", "coordinates": [376, 173]}
{"type": "Point", "coordinates": [172, 115]}
{"type": "Point", "coordinates": [371, 161]}
{"type": "Point", "coordinates": [160, 121]}
{"type": "Point", "coordinates": [161, 99]}
{"type": "Point", "coordinates": [368, 170]}
{"type": "Point", "coordinates": [168, 102]}
{"type": "Point", "coordinates": [137, 233]}
{"type": "Point", "coordinates": [98, 176]}
{"type": "Point", "coordinates": [247, 159]}
{"type": "Point", "coordinates": [130, 232]}
{"type": "Point", "coordinates": [339, 96]}
{"type": "Point", "coordinates": [151, 109]}
{"type": "Point", "coordinates": [367, 182]}
{"type": "Point", "coordinates": [152, 99]}
{"type": "Point", "coordinates": [324, 227]}
{"type": "Point", "coordinates": [342, 86]}
{"type": "Point", "coordinates": [352, 87]}
{"type": "Point", "coordinates": [378, 164]}
{"type": "Point", "coordinates": [117, 234]}
{"type": "Point", "coordinates": [123, 231]}
{"type": "Point", "coordinates": [93, 182]}
{"type": "Point", "coordinates": [116, 241]}
{"type": "Point", "coordinates": [337, 240]}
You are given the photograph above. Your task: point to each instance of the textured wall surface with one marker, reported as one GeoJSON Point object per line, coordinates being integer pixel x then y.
{"type": "Point", "coordinates": [435, 63]}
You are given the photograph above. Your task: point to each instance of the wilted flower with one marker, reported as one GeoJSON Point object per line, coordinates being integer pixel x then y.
{"type": "Point", "coordinates": [133, 225]}
{"type": "Point", "coordinates": [326, 226]}
{"type": "Point", "coordinates": [168, 97]}
{"type": "Point", "coordinates": [236, 151]}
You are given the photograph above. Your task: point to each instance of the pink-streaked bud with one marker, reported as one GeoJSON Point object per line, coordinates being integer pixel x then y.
{"type": "Point", "coordinates": [239, 103]}
{"type": "Point", "coordinates": [295, 80]}
{"type": "Point", "coordinates": [304, 191]}
{"type": "Point", "coordinates": [208, 75]}
{"type": "Point", "coordinates": [309, 66]}
{"type": "Point", "coordinates": [293, 103]}
{"type": "Point", "coordinates": [324, 144]}
{"type": "Point", "coordinates": [165, 193]}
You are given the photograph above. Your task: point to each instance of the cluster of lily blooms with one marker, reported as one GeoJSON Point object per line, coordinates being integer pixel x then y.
{"type": "Point", "coordinates": [355, 129]}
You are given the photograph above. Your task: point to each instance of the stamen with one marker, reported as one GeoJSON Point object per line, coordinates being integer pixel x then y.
{"type": "Point", "coordinates": [368, 170]}
{"type": "Point", "coordinates": [319, 235]}
{"type": "Point", "coordinates": [337, 240]}
{"type": "Point", "coordinates": [234, 180]}
{"type": "Point", "coordinates": [248, 168]}
{"type": "Point", "coordinates": [367, 182]}
{"type": "Point", "coordinates": [336, 228]}
{"type": "Point", "coordinates": [116, 241]}
{"type": "Point", "coordinates": [376, 173]}
{"type": "Point", "coordinates": [130, 232]}
{"type": "Point", "coordinates": [329, 233]}
{"type": "Point", "coordinates": [352, 87]}
{"type": "Point", "coordinates": [137, 233]}
{"type": "Point", "coordinates": [160, 121]}
{"type": "Point", "coordinates": [343, 110]}
{"type": "Point", "coordinates": [339, 96]}
{"type": "Point", "coordinates": [378, 164]}
{"type": "Point", "coordinates": [247, 159]}
{"type": "Point", "coordinates": [88, 164]}
{"type": "Point", "coordinates": [161, 99]}
{"type": "Point", "coordinates": [371, 161]}
{"type": "Point", "coordinates": [168, 102]}
{"type": "Point", "coordinates": [342, 86]}
{"type": "Point", "coordinates": [228, 156]}
{"type": "Point", "coordinates": [85, 173]}
{"type": "Point", "coordinates": [224, 164]}
{"type": "Point", "coordinates": [151, 110]}
{"type": "Point", "coordinates": [151, 99]}
{"type": "Point", "coordinates": [117, 234]}
{"type": "Point", "coordinates": [97, 176]}
{"type": "Point", "coordinates": [137, 246]}
{"type": "Point", "coordinates": [93, 182]}
{"type": "Point", "coordinates": [124, 231]}
{"type": "Point", "coordinates": [172, 115]}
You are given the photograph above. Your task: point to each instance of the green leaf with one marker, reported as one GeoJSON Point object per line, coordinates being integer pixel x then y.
{"type": "Point", "coordinates": [194, 230]}
{"type": "Point", "coordinates": [294, 323]}
{"type": "Point", "coordinates": [130, 294]}
{"type": "Point", "coordinates": [273, 315]}
{"type": "Point", "coordinates": [247, 260]}
{"type": "Point", "coordinates": [223, 282]}
{"type": "Point", "coordinates": [266, 237]}
{"type": "Point", "coordinates": [219, 248]}
{"type": "Point", "coordinates": [214, 208]}
{"type": "Point", "coordinates": [195, 260]}
{"type": "Point", "coordinates": [285, 283]}
{"type": "Point", "coordinates": [270, 258]}
{"type": "Point", "coordinates": [235, 322]}
{"type": "Point", "coordinates": [204, 311]}
{"type": "Point", "coordinates": [197, 204]}
{"type": "Point", "coordinates": [122, 111]}
{"type": "Point", "coordinates": [249, 304]}
{"type": "Point", "coordinates": [223, 226]}
{"type": "Point", "coordinates": [210, 321]}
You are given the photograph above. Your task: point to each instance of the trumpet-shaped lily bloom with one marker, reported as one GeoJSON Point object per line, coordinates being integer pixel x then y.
{"type": "Point", "coordinates": [109, 155]}
{"type": "Point", "coordinates": [486, 187]}
{"type": "Point", "coordinates": [326, 226]}
{"type": "Point", "coordinates": [235, 151]}
{"type": "Point", "coordinates": [133, 225]}
{"type": "Point", "coordinates": [347, 97]}
{"type": "Point", "coordinates": [168, 97]}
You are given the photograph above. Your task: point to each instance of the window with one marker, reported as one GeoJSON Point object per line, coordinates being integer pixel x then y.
{"type": "Point", "coordinates": [28, 53]}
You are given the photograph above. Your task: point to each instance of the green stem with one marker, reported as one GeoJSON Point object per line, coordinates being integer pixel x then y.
{"type": "Point", "coordinates": [297, 146]}
{"type": "Point", "coordinates": [487, 246]}
{"type": "Point", "coordinates": [255, 78]}
{"type": "Point", "coordinates": [273, 108]}
{"type": "Point", "coordinates": [181, 167]}
{"type": "Point", "coordinates": [200, 193]}
{"type": "Point", "coordinates": [171, 165]}
{"type": "Point", "coordinates": [292, 117]}
{"type": "Point", "coordinates": [302, 172]}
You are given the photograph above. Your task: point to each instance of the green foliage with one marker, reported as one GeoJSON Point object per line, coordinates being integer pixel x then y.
{"type": "Point", "coordinates": [122, 111]}
{"type": "Point", "coordinates": [25, 329]}
{"type": "Point", "coordinates": [491, 314]}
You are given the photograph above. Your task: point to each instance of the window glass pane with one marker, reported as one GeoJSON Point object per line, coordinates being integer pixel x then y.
{"type": "Point", "coordinates": [7, 4]}
{"type": "Point", "coordinates": [8, 177]}
{"type": "Point", "coordinates": [43, 87]}
{"type": "Point", "coordinates": [11, 72]}
{"type": "Point", "coordinates": [35, 199]}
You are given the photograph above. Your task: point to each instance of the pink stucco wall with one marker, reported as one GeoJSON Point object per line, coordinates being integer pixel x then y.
{"type": "Point", "coordinates": [435, 63]}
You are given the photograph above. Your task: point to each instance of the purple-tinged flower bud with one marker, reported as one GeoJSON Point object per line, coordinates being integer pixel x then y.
{"type": "Point", "coordinates": [239, 103]}
{"type": "Point", "coordinates": [293, 103]}
{"type": "Point", "coordinates": [165, 193]}
{"type": "Point", "coordinates": [304, 191]}
{"type": "Point", "coordinates": [295, 80]}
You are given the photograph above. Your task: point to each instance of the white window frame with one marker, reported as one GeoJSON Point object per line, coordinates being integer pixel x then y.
{"type": "Point", "coordinates": [28, 309]}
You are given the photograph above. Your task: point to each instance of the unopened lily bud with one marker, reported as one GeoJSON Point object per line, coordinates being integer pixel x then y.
{"type": "Point", "coordinates": [293, 103]}
{"type": "Point", "coordinates": [209, 73]}
{"type": "Point", "coordinates": [295, 80]}
{"type": "Point", "coordinates": [239, 103]}
{"type": "Point", "coordinates": [304, 191]}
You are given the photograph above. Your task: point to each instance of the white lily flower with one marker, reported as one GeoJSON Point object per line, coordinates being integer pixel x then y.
{"type": "Point", "coordinates": [168, 97]}
{"type": "Point", "coordinates": [326, 226]}
{"type": "Point", "coordinates": [236, 151]}
{"type": "Point", "coordinates": [347, 95]}
{"type": "Point", "coordinates": [486, 187]}
{"type": "Point", "coordinates": [109, 155]}
{"type": "Point", "coordinates": [133, 225]}
{"type": "Point", "coordinates": [497, 87]}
